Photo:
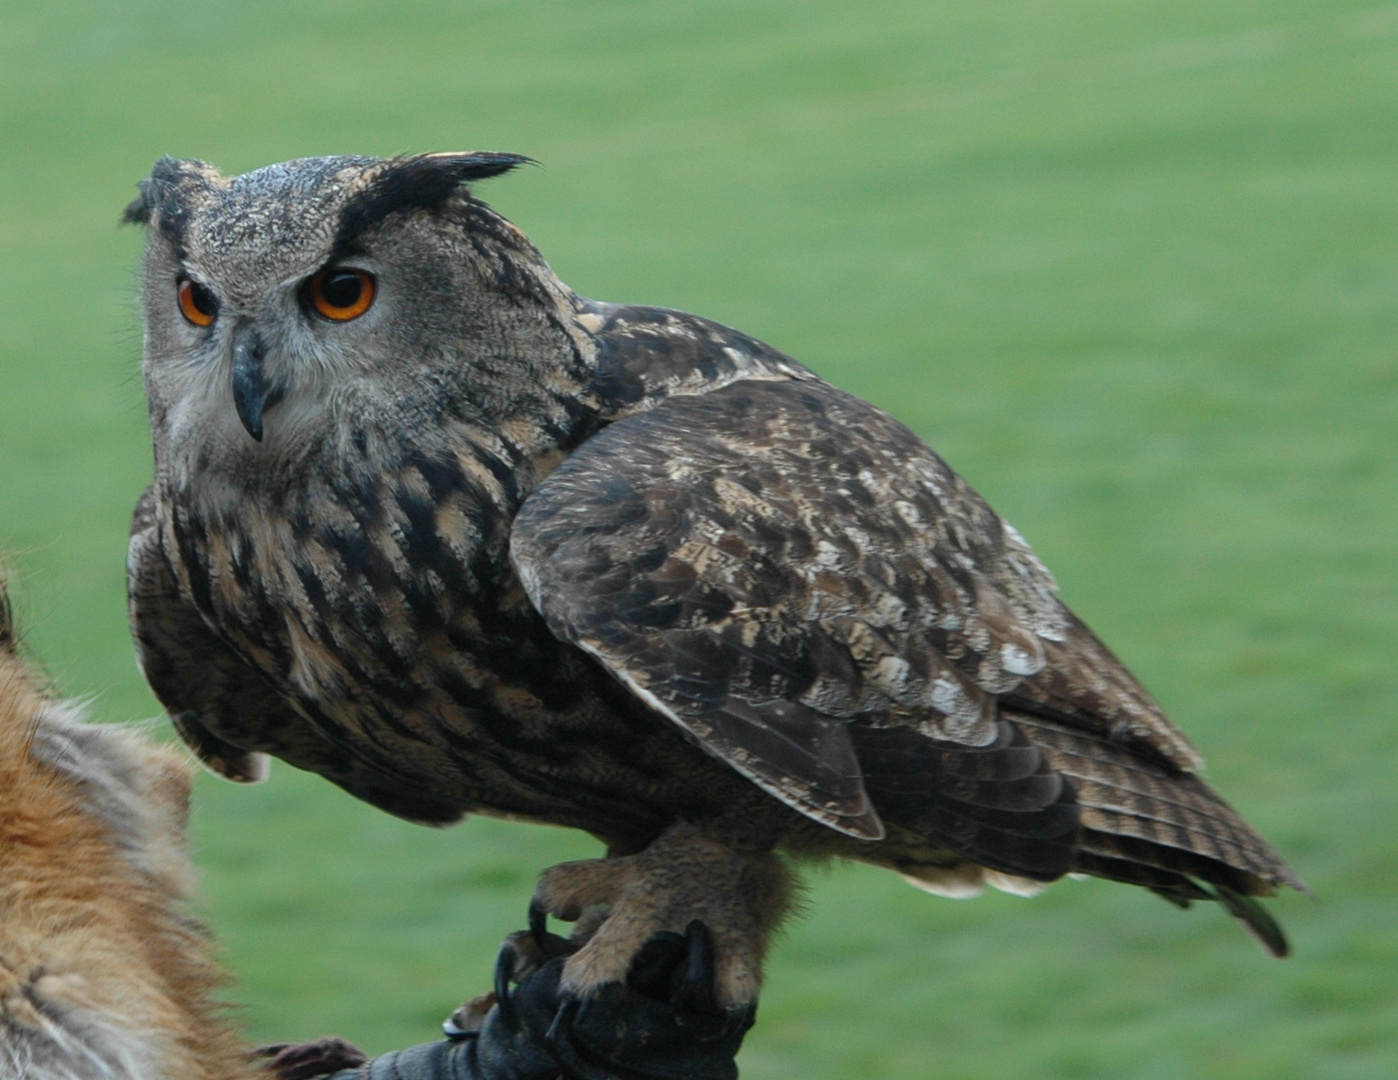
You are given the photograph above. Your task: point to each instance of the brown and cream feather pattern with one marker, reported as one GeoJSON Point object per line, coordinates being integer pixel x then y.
{"type": "Point", "coordinates": [507, 550]}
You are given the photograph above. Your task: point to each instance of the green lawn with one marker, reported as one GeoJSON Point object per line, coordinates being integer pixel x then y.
{"type": "Point", "coordinates": [1132, 267]}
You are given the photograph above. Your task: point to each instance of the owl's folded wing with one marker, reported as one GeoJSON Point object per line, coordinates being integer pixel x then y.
{"type": "Point", "coordinates": [776, 561]}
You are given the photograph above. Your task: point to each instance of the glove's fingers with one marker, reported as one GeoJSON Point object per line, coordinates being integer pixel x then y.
{"type": "Point", "coordinates": [655, 963]}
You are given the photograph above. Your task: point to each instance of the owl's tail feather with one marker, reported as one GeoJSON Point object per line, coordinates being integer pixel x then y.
{"type": "Point", "coordinates": [1256, 920]}
{"type": "Point", "coordinates": [1152, 825]}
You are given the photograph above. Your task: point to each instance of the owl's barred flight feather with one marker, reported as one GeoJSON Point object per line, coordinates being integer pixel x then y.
{"type": "Point", "coordinates": [503, 549]}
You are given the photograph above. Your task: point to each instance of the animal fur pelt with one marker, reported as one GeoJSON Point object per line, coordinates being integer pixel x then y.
{"type": "Point", "coordinates": [104, 975]}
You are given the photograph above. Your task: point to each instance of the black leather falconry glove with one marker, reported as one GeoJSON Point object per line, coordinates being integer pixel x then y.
{"type": "Point", "coordinates": [661, 1024]}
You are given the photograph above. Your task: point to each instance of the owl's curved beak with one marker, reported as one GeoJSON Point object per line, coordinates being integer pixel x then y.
{"type": "Point", "coordinates": [250, 391]}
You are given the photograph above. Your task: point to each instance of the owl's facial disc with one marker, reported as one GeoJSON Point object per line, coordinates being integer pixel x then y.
{"type": "Point", "coordinates": [326, 297]}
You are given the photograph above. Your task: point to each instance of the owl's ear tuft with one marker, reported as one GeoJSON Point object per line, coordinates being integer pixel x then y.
{"type": "Point", "coordinates": [420, 182]}
{"type": "Point", "coordinates": [469, 165]}
{"type": "Point", "coordinates": [159, 202]}
{"type": "Point", "coordinates": [138, 210]}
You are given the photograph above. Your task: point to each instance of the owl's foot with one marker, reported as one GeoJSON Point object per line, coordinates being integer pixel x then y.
{"type": "Point", "coordinates": [682, 877]}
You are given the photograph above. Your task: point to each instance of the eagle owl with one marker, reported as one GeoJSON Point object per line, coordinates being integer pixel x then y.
{"type": "Point", "coordinates": [428, 523]}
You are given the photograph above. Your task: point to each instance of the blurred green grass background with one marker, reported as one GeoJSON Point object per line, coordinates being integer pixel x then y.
{"type": "Point", "coordinates": [1131, 267]}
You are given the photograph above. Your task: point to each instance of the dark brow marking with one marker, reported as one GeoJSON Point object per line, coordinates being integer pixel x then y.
{"type": "Point", "coordinates": [414, 183]}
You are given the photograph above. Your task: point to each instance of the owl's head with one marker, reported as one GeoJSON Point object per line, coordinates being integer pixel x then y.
{"type": "Point", "coordinates": [327, 287]}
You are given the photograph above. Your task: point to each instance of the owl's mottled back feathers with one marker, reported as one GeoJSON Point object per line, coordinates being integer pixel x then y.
{"type": "Point", "coordinates": [508, 550]}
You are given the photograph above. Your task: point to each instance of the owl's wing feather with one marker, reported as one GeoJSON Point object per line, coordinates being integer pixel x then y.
{"type": "Point", "coordinates": [772, 561]}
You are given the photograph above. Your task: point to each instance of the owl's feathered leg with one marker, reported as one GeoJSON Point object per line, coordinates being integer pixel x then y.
{"type": "Point", "coordinates": [683, 876]}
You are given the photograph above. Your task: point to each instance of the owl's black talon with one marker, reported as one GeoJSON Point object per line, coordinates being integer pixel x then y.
{"type": "Point", "coordinates": [539, 925]}
{"type": "Point", "coordinates": [562, 1020]}
{"type": "Point", "coordinates": [694, 981]}
{"type": "Point", "coordinates": [504, 970]}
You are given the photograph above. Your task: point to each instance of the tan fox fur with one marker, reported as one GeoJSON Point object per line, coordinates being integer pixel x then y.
{"type": "Point", "coordinates": [103, 973]}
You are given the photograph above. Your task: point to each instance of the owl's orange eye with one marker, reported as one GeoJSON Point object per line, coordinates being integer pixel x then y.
{"type": "Point", "coordinates": [197, 303]}
{"type": "Point", "coordinates": [341, 294]}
